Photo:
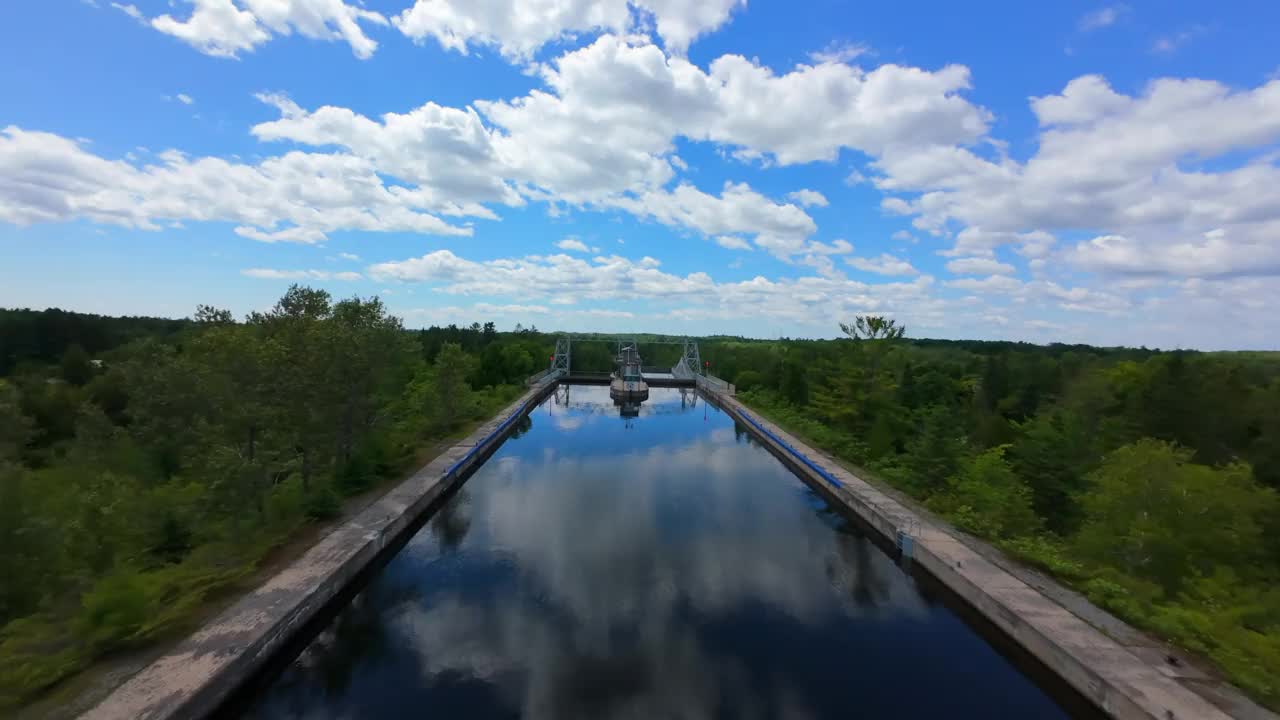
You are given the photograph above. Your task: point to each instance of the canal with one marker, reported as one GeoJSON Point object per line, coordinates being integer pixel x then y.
{"type": "Point", "coordinates": [656, 566]}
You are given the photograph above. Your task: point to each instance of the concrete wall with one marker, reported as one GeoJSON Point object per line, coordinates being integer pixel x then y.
{"type": "Point", "coordinates": [1101, 669]}
{"type": "Point", "coordinates": [201, 672]}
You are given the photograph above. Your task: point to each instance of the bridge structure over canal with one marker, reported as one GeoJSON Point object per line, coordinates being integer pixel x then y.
{"type": "Point", "coordinates": [684, 373]}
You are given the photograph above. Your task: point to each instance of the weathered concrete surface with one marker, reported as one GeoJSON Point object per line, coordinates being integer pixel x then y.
{"type": "Point", "coordinates": [193, 680]}
{"type": "Point", "coordinates": [1111, 675]}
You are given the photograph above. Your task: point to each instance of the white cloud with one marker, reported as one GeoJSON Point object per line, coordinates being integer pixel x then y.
{"type": "Point", "coordinates": [632, 101]}
{"type": "Point", "coordinates": [1085, 99]}
{"type": "Point", "coordinates": [979, 266]}
{"type": "Point", "coordinates": [269, 274]}
{"type": "Point", "coordinates": [840, 52]}
{"type": "Point", "coordinates": [349, 256]}
{"type": "Point", "coordinates": [1245, 251]}
{"type": "Point", "coordinates": [1118, 166]}
{"type": "Point", "coordinates": [886, 264]}
{"type": "Point", "coordinates": [739, 210]}
{"type": "Point", "coordinates": [130, 10]}
{"type": "Point", "coordinates": [519, 28]}
{"type": "Point", "coordinates": [992, 284]}
{"type": "Point", "coordinates": [293, 235]}
{"type": "Point", "coordinates": [732, 243]}
{"type": "Point", "coordinates": [1102, 17]}
{"type": "Point", "coordinates": [808, 198]}
{"type": "Point", "coordinates": [225, 28]}
{"type": "Point", "coordinates": [693, 296]}
{"type": "Point", "coordinates": [904, 236]}
{"type": "Point", "coordinates": [448, 153]}
{"type": "Point", "coordinates": [573, 244]}
{"type": "Point", "coordinates": [1169, 44]}
{"type": "Point", "coordinates": [296, 197]}
{"type": "Point", "coordinates": [185, 99]}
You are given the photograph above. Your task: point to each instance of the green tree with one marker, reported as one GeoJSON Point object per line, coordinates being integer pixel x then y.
{"type": "Point", "coordinates": [15, 427]}
{"type": "Point", "coordinates": [986, 497]}
{"type": "Point", "coordinates": [748, 379]}
{"type": "Point", "coordinates": [210, 315]}
{"type": "Point", "coordinates": [1052, 454]}
{"type": "Point", "coordinates": [795, 386]}
{"type": "Point", "coordinates": [934, 454]}
{"type": "Point", "coordinates": [77, 368]}
{"type": "Point", "coordinates": [452, 395]}
{"type": "Point", "coordinates": [873, 327]}
{"type": "Point", "coordinates": [1152, 513]}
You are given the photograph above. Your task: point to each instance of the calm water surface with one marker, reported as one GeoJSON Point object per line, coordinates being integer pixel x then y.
{"type": "Point", "coordinates": [660, 566]}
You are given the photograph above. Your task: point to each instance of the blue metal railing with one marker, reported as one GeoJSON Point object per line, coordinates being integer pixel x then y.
{"type": "Point", "coordinates": [502, 427]}
{"type": "Point", "coordinates": [794, 452]}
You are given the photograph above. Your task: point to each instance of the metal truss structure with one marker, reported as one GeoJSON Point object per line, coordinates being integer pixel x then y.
{"type": "Point", "coordinates": [689, 365]}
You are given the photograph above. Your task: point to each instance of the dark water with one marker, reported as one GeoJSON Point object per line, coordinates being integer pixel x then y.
{"type": "Point", "coordinates": [652, 567]}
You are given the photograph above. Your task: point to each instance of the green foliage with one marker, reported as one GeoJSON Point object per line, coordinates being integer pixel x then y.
{"type": "Point", "coordinates": [988, 499]}
{"type": "Point", "coordinates": [934, 454]}
{"type": "Point", "coordinates": [1146, 480]}
{"type": "Point", "coordinates": [1153, 514]}
{"type": "Point", "coordinates": [76, 366]}
{"type": "Point", "coordinates": [873, 327]}
{"type": "Point", "coordinates": [115, 609]}
{"type": "Point", "coordinates": [794, 386]}
{"type": "Point", "coordinates": [452, 394]}
{"type": "Point", "coordinates": [322, 503]}
{"type": "Point", "coordinates": [130, 494]}
{"type": "Point", "coordinates": [749, 380]}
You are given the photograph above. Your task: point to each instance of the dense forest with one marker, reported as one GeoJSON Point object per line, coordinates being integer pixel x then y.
{"type": "Point", "coordinates": [1147, 480]}
{"type": "Point", "coordinates": [147, 465]}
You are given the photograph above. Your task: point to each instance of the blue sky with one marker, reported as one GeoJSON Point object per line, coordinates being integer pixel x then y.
{"type": "Point", "coordinates": [1083, 172]}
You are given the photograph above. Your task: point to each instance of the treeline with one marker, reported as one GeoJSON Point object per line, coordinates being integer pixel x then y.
{"type": "Point", "coordinates": [43, 337]}
{"type": "Point", "coordinates": [139, 480]}
{"type": "Point", "coordinates": [1145, 479]}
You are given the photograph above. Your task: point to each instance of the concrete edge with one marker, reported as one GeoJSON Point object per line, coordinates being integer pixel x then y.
{"type": "Point", "coordinates": [1098, 667]}
{"type": "Point", "coordinates": [196, 677]}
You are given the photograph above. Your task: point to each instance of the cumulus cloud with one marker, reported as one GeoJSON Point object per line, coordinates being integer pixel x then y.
{"type": "Point", "coordinates": [226, 28]}
{"type": "Point", "coordinates": [885, 264]}
{"type": "Point", "coordinates": [979, 266]}
{"type": "Point", "coordinates": [1252, 250]}
{"type": "Point", "coordinates": [738, 210]}
{"type": "Point", "coordinates": [808, 198]}
{"type": "Point", "coordinates": [695, 295]}
{"type": "Point", "coordinates": [573, 244]}
{"type": "Point", "coordinates": [296, 197]}
{"type": "Point", "coordinates": [632, 100]}
{"type": "Point", "coordinates": [185, 99]}
{"type": "Point", "coordinates": [732, 243]}
{"type": "Point", "coordinates": [991, 284]}
{"type": "Point", "coordinates": [517, 29]}
{"type": "Point", "coordinates": [1135, 168]}
{"type": "Point", "coordinates": [448, 153]}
